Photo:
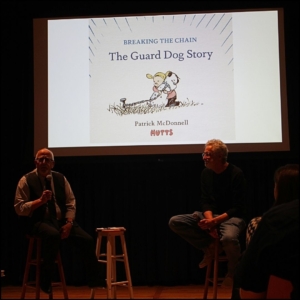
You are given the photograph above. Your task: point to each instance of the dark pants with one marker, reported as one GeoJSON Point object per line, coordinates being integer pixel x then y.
{"type": "Point", "coordinates": [49, 231]}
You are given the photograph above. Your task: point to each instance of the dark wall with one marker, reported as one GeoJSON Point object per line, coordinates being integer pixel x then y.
{"type": "Point", "coordinates": [140, 193]}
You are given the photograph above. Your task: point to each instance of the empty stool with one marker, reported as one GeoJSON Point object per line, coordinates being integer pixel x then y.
{"type": "Point", "coordinates": [214, 265]}
{"type": "Point", "coordinates": [111, 257]}
{"type": "Point", "coordinates": [36, 260]}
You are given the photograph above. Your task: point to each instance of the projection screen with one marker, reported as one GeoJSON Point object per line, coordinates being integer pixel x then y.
{"type": "Point", "coordinates": [160, 84]}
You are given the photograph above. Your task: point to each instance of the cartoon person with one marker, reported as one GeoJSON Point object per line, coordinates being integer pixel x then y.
{"type": "Point", "coordinates": [158, 81]}
{"type": "Point", "coordinates": [171, 80]}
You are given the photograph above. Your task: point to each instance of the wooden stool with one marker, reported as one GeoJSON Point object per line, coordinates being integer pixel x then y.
{"type": "Point", "coordinates": [214, 264]}
{"type": "Point", "coordinates": [111, 258]}
{"type": "Point", "coordinates": [35, 260]}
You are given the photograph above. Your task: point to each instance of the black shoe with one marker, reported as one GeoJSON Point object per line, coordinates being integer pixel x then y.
{"type": "Point", "coordinates": [46, 286]}
{"type": "Point", "coordinates": [45, 283]}
{"type": "Point", "coordinates": [97, 281]}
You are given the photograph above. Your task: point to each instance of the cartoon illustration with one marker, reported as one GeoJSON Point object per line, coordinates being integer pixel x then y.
{"type": "Point", "coordinates": [171, 82]}
{"type": "Point", "coordinates": [159, 85]}
{"type": "Point", "coordinates": [164, 83]}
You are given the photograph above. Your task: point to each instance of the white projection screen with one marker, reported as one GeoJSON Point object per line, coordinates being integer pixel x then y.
{"type": "Point", "coordinates": [160, 83]}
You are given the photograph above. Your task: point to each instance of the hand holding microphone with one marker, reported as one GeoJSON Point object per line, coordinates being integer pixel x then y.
{"type": "Point", "coordinates": [46, 196]}
{"type": "Point", "coordinates": [47, 193]}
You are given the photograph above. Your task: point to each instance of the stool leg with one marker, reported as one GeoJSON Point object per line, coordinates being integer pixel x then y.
{"type": "Point", "coordinates": [92, 295]}
{"type": "Point", "coordinates": [62, 276]}
{"type": "Point", "coordinates": [216, 269]}
{"type": "Point", "coordinates": [126, 262]}
{"type": "Point", "coordinates": [113, 267]}
{"type": "Point", "coordinates": [98, 245]}
{"type": "Point", "coordinates": [109, 266]}
{"type": "Point", "coordinates": [27, 268]}
{"type": "Point", "coordinates": [38, 268]}
{"type": "Point", "coordinates": [207, 275]}
{"type": "Point", "coordinates": [98, 252]}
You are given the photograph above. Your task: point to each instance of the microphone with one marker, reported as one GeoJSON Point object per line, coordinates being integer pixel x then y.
{"type": "Point", "coordinates": [51, 203]}
{"type": "Point", "coordinates": [48, 182]}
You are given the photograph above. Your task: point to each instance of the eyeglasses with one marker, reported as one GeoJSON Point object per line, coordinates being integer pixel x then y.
{"type": "Point", "coordinates": [42, 159]}
{"type": "Point", "coordinates": [208, 154]}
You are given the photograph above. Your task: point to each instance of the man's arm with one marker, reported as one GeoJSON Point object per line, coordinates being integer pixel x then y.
{"type": "Point", "coordinates": [70, 202]}
{"type": "Point", "coordinates": [22, 205]}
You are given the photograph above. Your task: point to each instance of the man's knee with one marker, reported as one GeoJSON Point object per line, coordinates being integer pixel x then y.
{"type": "Point", "coordinates": [172, 222]}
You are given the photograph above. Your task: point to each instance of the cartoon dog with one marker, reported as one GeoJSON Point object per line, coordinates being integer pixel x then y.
{"type": "Point", "coordinates": [171, 80]}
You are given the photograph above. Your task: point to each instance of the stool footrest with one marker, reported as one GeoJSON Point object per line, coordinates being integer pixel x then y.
{"type": "Point", "coordinates": [112, 256]}
{"type": "Point", "coordinates": [120, 283]}
{"type": "Point", "coordinates": [105, 261]}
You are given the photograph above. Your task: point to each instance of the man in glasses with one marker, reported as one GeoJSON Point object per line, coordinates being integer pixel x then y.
{"type": "Point", "coordinates": [222, 209]}
{"type": "Point", "coordinates": [46, 206]}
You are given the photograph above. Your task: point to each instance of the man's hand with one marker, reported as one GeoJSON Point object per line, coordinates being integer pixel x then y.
{"type": "Point", "coordinates": [207, 224]}
{"type": "Point", "coordinates": [46, 196]}
{"type": "Point", "coordinates": [210, 226]}
{"type": "Point", "coordinates": [65, 230]}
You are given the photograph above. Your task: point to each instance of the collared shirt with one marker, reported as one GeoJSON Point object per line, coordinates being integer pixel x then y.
{"type": "Point", "coordinates": [22, 203]}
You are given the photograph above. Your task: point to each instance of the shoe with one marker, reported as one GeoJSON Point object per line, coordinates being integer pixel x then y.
{"type": "Point", "coordinates": [98, 281]}
{"type": "Point", "coordinates": [45, 281]}
{"type": "Point", "coordinates": [227, 282]}
{"type": "Point", "coordinates": [205, 261]}
{"type": "Point", "coordinates": [46, 286]}
{"type": "Point", "coordinates": [208, 255]}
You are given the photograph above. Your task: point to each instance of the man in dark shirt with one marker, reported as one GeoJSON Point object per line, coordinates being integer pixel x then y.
{"type": "Point", "coordinates": [223, 211]}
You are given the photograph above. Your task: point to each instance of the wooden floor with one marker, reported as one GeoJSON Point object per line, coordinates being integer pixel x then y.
{"type": "Point", "coordinates": [139, 292]}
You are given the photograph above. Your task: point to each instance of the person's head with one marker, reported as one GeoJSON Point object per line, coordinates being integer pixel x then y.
{"type": "Point", "coordinates": [44, 161]}
{"type": "Point", "coordinates": [215, 153]}
{"type": "Point", "coordinates": [158, 78]}
{"type": "Point", "coordinates": [286, 183]}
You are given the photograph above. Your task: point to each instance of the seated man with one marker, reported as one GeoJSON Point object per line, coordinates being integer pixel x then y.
{"type": "Point", "coordinates": [46, 205]}
{"type": "Point", "coordinates": [223, 210]}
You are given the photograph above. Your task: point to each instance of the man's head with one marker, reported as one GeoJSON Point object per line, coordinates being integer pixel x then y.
{"type": "Point", "coordinates": [286, 183]}
{"type": "Point", "coordinates": [44, 161]}
{"type": "Point", "coordinates": [215, 154]}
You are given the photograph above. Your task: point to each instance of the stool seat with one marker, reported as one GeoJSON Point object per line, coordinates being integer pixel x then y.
{"type": "Point", "coordinates": [34, 258]}
{"type": "Point", "coordinates": [111, 257]}
{"type": "Point", "coordinates": [214, 266]}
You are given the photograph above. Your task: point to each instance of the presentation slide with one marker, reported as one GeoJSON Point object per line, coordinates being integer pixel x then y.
{"type": "Point", "coordinates": [164, 80]}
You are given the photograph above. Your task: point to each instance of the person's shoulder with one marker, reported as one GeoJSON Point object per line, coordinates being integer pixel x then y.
{"type": "Point", "coordinates": [30, 174]}
{"type": "Point", "coordinates": [291, 207]}
{"type": "Point", "coordinates": [235, 170]}
{"type": "Point", "coordinates": [235, 167]}
{"type": "Point", "coordinates": [58, 175]}
{"type": "Point", "coordinates": [55, 173]}
{"type": "Point", "coordinates": [206, 171]}
{"type": "Point", "coordinates": [283, 215]}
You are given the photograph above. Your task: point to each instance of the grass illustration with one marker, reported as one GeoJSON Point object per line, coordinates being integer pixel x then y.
{"type": "Point", "coordinates": [145, 108]}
